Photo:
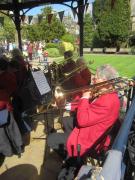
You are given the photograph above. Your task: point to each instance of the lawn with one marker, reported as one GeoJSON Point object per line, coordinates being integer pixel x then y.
{"type": "Point", "coordinates": [125, 64]}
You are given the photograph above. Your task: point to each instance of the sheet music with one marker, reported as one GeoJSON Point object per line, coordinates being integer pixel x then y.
{"type": "Point", "coordinates": [41, 82]}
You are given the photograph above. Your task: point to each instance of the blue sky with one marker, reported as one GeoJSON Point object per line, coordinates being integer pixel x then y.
{"type": "Point", "coordinates": [56, 7]}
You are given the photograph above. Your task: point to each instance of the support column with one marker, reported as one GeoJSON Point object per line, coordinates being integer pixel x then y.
{"type": "Point", "coordinates": [80, 22]}
{"type": "Point", "coordinates": [17, 22]}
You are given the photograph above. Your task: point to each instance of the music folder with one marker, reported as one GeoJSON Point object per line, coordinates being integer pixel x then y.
{"type": "Point", "coordinates": [41, 82]}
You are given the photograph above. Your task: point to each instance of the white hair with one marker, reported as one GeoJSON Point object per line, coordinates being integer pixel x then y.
{"type": "Point", "coordinates": [107, 71]}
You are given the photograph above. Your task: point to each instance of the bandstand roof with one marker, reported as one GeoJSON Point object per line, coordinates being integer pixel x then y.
{"type": "Point", "coordinates": [25, 4]}
{"type": "Point", "coordinates": [20, 5]}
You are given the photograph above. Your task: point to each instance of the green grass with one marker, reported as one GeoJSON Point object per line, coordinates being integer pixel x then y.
{"type": "Point", "coordinates": [125, 64]}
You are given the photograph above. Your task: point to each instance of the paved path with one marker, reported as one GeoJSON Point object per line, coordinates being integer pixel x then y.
{"type": "Point", "coordinates": [34, 163]}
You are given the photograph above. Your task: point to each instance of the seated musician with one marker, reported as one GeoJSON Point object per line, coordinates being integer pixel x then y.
{"type": "Point", "coordinates": [7, 79]}
{"type": "Point", "coordinates": [81, 78]}
{"type": "Point", "coordinates": [85, 72]}
{"type": "Point", "coordinates": [20, 68]}
{"type": "Point", "coordinates": [94, 116]}
{"type": "Point", "coordinates": [69, 64]}
{"type": "Point", "coordinates": [78, 78]}
{"type": "Point", "coordinates": [23, 67]}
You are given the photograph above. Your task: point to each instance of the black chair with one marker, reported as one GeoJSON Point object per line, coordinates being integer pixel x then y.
{"type": "Point", "coordinates": [72, 165]}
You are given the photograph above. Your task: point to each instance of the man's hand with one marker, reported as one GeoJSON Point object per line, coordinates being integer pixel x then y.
{"type": "Point", "coordinates": [87, 95]}
{"type": "Point", "coordinates": [68, 106]}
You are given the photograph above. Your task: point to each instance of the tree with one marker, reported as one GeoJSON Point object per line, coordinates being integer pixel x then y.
{"type": "Point", "coordinates": [7, 32]}
{"type": "Point", "coordinates": [32, 32]}
{"type": "Point", "coordinates": [113, 23]}
{"type": "Point", "coordinates": [43, 30]}
{"type": "Point", "coordinates": [69, 38]}
{"type": "Point", "coordinates": [88, 30]}
{"type": "Point", "coordinates": [53, 30]}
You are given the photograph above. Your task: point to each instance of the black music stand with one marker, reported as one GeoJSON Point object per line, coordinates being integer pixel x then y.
{"type": "Point", "coordinates": [42, 92]}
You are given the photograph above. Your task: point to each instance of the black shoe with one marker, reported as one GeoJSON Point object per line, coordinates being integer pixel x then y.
{"type": "Point", "coordinates": [52, 130]}
{"type": "Point", "coordinates": [61, 153]}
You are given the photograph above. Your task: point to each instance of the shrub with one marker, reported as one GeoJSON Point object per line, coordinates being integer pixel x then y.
{"type": "Point", "coordinates": [51, 45]}
{"type": "Point", "coordinates": [133, 50]}
{"type": "Point", "coordinates": [53, 52]}
{"type": "Point", "coordinates": [69, 38]}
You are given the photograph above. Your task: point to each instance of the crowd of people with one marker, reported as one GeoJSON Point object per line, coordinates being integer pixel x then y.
{"type": "Point", "coordinates": [31, 50]}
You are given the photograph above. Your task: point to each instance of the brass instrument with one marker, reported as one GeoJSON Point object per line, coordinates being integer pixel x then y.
{"type": "Point", "coordinates": [72, 73]}
{"type": "Point", "coordinates": [80, 68]}
{"type": "Point", "coordinates": [67, 76]}
{"type": "Point", "coordinates": [118, 84]}
{"type": "Point", "coordinates": [56, 69]}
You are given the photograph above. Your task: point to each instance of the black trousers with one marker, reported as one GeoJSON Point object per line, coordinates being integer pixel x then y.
{"type": "Point", "coordinates": [58, 141]}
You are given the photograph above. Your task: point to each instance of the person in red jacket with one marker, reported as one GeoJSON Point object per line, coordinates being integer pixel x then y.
{"type": "Point", "coordinates": [68, 66]}
{"type": "Point", "coordinates": [79, 78]}
{"type": "Point", "coordinates": [22, 66]}
{"type": "Point", "coordinates": [94, 117]}
{"type": "Point", "coordinates": [8, 85]}
{"type": "Point", "coordinates": [79, 75]}
{"type": "Point", "coordinates": [82, 77]}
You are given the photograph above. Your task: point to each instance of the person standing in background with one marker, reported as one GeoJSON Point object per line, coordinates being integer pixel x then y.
{"type": "Point", "coordinates": [30, 50]}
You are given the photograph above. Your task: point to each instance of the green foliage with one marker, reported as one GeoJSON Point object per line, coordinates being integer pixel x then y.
{"type": "Point", "coordinates": [52, 45]}
{"type": "Point", "coordinates": [96, 41]}
{"type": "Point", "coordinates": [69, 38]}
{"type": "Point", "coordinates": [46, 10]}
{"type": "Point", "coordinates": [53, 30]}
{"type": "Point", "coordinates": [88, 31]}
{"type": "Point", "coordinates": [113, 24]}
{"type": "Point", "coordinates": [53, 52]}
{"type": "Point", "coordinates": [132, 39]}
{"type": "Point", "coordinates": [133, 50]}
{"type": "Point", "coordinates": [8, 31]}
{"type": "Point", "coordinates": [43, 30]}
{"type": "Point", "coordinates": [32, 32]}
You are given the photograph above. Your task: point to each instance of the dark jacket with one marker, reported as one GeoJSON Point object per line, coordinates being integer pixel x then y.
{"type": "Point", "coordinates": [10, 138]}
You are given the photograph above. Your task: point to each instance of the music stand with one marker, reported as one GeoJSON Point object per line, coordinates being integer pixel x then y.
{"type": "Point", "coordinates": [43, 91]}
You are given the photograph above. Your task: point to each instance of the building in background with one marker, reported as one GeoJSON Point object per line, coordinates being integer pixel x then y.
{"type": "Point", "coordinates": [70, 24]}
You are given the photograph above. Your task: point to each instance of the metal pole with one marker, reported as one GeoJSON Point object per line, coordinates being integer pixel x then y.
{"type": "Point", "coordinates": [80, 22]}
{"type": "Point", "coordinates": [17, 22]}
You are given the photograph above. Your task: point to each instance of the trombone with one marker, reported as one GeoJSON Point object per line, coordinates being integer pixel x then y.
{"type": "Point", "coordinates": [70, 74]}
{"type": "Point", "coordinates": [118, 84]}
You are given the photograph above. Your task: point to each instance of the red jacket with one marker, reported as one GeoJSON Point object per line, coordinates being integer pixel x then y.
{"type": "Point", "coordinates": [93, 120]}
{"type": "Point", "coordinates": [82, 78]}
{"type": "Point", "coordinates": [8, 82]}
{"type": "Point", "coordinates": [67, 68]}
{"type": "Point", "coordinates": [5, 101]}
{"type": "Point", "coordinates": [7, 88]}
